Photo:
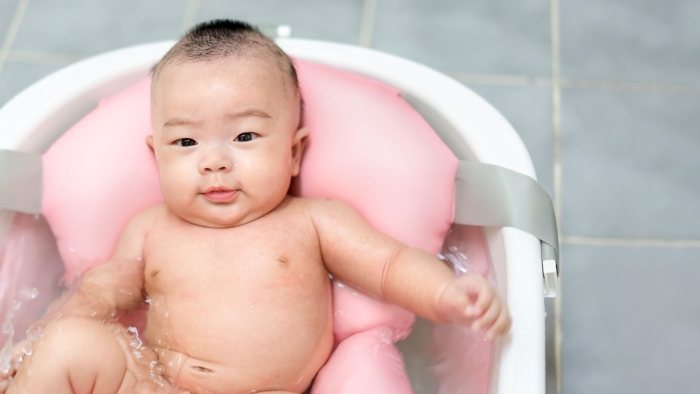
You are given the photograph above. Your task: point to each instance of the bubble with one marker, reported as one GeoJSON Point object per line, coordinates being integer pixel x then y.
{"type": "Point", "coordinates": [135, 343]}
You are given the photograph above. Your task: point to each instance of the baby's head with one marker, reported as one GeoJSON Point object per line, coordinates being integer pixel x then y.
{"type": "Point", "coordinates": [225, 111]}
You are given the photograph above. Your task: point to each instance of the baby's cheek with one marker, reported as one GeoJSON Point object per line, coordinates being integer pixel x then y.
{"type": "Point", "coordinates": [178, 182]}
{"type": "Point", "coordinates": [270, 183]}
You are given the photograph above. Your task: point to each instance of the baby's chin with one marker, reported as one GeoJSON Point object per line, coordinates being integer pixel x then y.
{"type": "Point", "coordinates": [216, 215]}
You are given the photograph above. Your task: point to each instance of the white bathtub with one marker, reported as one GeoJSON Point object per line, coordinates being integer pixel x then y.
{"type": "Point", "coordinates": [471, 127]}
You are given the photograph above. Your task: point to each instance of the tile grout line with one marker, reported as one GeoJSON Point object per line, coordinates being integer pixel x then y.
{"type": "Point", "coordinates": [623, 85]}
{"type": "Point", "coordinates": [39, 57]}
{"type": "Point", "coordinates": [191, 12]}
{"type": "Point", "coordinates": [369, 10]}
{"type": "Point", "coordinates": [672, 243]}
{"type": "Point", "coordinates": [42, 57]}
{"type": "Point", "coordinates": [12, 32]}
{"type": "Point", "coordinates": [556, 133]}
{"type": "Point", "coordinates": [524, 80]}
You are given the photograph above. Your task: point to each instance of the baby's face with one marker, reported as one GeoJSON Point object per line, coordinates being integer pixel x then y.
{"type": "Point", "coordinates": [226, 138]}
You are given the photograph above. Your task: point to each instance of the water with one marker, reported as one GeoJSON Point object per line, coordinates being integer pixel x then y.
{"type": "Point", "coordinates": [8, 360]}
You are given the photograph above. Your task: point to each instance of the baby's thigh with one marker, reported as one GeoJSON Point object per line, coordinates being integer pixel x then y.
{"type": "Point", "coordinates": [78, 355]}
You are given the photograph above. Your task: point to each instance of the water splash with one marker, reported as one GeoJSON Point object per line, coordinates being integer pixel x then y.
{"type": "Point", "coordinates": [9, 330]}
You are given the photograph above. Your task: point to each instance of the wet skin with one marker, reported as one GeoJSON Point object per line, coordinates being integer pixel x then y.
{"type": "Point", "coordinates": [249, 306]}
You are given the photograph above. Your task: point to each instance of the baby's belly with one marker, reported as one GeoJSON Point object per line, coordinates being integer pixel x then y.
{"type": "Point", "coordinates": [240, 337]}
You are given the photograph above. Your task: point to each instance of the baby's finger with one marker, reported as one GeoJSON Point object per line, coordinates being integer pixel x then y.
{"type": "Point", "coordinates": [4, 385]}
{"type": "Point", "coordinates": [501, 326]}
{"type": "Point", "coordinates": [484, 297]}
{"type": "Point", "coordinates": [489, 317]}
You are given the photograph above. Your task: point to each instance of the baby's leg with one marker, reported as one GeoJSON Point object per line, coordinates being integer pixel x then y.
{"type": "Point", "coordinates": [77, 356]}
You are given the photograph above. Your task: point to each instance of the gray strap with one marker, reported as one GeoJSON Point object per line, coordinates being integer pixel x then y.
{"type": "Point", "coordinates": [20, 181]}
{"type": "Point", "coordinates": [494, 196]}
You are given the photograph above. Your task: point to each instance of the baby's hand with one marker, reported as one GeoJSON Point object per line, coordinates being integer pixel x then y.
{"type": "Point", "coordinates": [470, 299]}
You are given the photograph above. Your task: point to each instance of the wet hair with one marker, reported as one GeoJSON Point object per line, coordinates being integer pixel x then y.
{"type": "Point", "coordinates": [222, 38]}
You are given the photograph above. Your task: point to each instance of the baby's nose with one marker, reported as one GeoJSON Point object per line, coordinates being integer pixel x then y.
{"type": "Point", "coordinates": [215, 162]}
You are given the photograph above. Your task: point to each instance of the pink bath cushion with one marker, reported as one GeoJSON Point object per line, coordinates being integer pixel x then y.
{"type": "Point", "coordinates": [365, 363]}
{"type": "Point", "coordinates": [98, 175]}
{"type": "Point", "coordinates": [367, 147]}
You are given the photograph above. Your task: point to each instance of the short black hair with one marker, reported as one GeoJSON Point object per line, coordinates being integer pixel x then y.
{"type": "Point", "coordinates": [222, 38]}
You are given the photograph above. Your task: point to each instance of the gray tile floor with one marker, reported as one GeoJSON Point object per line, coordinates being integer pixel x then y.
{"type": "Point", "coordinates": [625, 88]}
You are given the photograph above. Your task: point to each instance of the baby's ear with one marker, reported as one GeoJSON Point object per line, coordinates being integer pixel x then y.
{"type": "Point", "coordinates": [298, 145]}
{"type": "Point", "coordinates": [149, 141]}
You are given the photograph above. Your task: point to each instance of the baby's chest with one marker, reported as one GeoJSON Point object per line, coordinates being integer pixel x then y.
{"type": "Point", "coordinates": [201, 259]}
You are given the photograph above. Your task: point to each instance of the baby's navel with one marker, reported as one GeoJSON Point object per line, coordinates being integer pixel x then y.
{"type": "Point", "coordinates": [283, 260]}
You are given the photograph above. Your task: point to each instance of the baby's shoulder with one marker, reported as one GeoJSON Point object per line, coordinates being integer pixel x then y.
{"type": "Point", "coordinates": [323, 208]}
{"type": "Point", "coordinates": [145, 218]}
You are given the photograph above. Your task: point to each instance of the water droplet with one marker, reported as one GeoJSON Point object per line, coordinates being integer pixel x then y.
{"type": "Point", "coordinates": [29, 293]}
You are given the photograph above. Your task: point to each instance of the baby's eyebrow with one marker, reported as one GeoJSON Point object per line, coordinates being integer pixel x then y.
{"type": "Point", "coordinates": [248, 112]}
{"type": "Point", "coordinates": [181, 122]}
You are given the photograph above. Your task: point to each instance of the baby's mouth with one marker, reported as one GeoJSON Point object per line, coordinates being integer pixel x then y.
{"type": "Point", "coordinates": [220, 194]}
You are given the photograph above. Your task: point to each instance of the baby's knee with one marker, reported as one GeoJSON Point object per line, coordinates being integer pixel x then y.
{"type": "Point", "coordinates": [77, 351]}
{"type": "Point", "coordinates": [75, 344]}
{"type": "Point", "coordinates": [80, 339]}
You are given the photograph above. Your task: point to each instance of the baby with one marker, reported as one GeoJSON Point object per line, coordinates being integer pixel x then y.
{"type": "Point", "coordinates": [236, 271]}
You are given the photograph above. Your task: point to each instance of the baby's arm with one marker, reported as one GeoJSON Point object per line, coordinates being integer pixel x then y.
{"type": "Point", "coordinates": [381, 266]}
{"type": "Point", "coordinates": [118, 283]}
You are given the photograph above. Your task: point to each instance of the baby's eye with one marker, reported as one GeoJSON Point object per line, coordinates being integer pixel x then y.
{"type": "Point", "coordinates": [186, 142]}
{"type": "Point", "coordinates": [243, 137]}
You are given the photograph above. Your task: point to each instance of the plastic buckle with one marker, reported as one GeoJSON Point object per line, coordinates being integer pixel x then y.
{"type": "Point", "coordinates": [551, 278]}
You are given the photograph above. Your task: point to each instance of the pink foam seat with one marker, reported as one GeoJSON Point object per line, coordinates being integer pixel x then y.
{"type": "Point", "coordinates": [367, 147]}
